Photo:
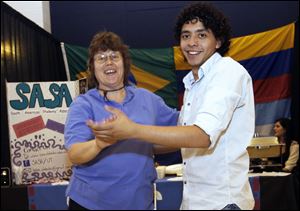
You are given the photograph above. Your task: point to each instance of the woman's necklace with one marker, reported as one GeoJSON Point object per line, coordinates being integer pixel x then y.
{"type": "Point", "coordinates": [106, 91]}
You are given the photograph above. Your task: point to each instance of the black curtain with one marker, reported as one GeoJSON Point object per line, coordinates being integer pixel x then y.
{"type": "Point", "coordinates": [295, 86]}
{"type": "Point", "coordinates": [28, 54]}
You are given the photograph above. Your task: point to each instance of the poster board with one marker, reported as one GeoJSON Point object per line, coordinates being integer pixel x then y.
{"type": "Point", "coordinates": [36, 116]}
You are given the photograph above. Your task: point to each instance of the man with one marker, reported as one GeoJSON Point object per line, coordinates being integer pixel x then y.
{"type": "Point", "coordinates": [216, 119]}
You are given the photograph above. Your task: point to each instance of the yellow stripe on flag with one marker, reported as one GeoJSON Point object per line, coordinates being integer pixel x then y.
{"type": "Point", "coordinates": [263, 43]}
{"type": "Point", "coordinates": [83, 74]}
{"type": "Point", "coordinates": [147, 80]}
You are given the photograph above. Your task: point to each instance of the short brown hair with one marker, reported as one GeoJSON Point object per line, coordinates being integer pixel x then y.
{"type": "Point", "coordinates": [103, 41]}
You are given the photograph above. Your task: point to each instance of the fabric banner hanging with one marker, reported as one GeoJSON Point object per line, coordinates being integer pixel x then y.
{"type": "Point", "coordinates": [267, 56]}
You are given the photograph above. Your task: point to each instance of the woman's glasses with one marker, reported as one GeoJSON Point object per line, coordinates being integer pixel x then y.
{"type": "Point", "coordinates": [103, 58]}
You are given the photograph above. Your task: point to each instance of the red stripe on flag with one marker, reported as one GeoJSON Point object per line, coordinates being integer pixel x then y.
{"type": "Point", "coordinates": [29, 126]}
{"type": "Point", "coordinates": [266, 90]}
{"type": "Point", "coordinates": [270, 89]}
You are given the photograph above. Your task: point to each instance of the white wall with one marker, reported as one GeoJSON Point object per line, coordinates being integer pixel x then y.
{"type": "Point", "coordinates": [36, 11]}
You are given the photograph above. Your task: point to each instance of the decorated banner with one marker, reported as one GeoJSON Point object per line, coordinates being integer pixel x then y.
{"type": "Point", "coordinates": [36, 114]}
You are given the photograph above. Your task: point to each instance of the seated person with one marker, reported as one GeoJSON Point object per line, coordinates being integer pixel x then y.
{"type": "Point", "coordinates": [282, 130]}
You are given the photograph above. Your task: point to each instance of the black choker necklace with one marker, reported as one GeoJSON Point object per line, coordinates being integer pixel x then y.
{"type": "Point", "coordinates": [106, 91]}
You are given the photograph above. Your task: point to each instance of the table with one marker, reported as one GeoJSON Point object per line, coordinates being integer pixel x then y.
{"type": "Point", "coordinates": [272, 191]}
{"type": "Point", "coordinates": [47, 197]}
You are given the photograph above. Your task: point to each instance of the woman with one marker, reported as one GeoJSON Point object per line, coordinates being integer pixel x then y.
{"type": "Point", "coordinates": [112, 175]}
{"type": "Point", "coordinates": [282, 131]}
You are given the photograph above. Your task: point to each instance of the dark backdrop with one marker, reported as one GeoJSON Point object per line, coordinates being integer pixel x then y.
{"type": "Point", "coordinates": [149, 24]}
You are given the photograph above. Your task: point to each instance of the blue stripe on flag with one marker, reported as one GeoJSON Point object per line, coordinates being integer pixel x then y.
{"type": "Point", "coordinates": [271, 65]}
{"type": "Point", "coordinates": [267, 113]}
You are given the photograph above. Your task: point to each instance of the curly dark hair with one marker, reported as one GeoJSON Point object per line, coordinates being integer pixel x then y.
{"type": "Point", "coordinates": [103, 41]}
{"type": "Point", "coordinates": [288, 136]}
{"type": "Point", "coordinates": [211, 18]}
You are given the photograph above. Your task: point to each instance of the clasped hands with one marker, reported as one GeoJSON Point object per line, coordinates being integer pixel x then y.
{"type": "Point", "coordinates": [117, 127]}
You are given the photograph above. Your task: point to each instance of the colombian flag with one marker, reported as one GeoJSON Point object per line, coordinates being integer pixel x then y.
{"type": "Point", "coordinates": [267, 56]}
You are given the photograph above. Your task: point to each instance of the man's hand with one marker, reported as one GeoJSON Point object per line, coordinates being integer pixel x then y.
{"type": "Point", "coordinates": [101, 144]}
{"type": "Point", "coordinates": [116, 128]}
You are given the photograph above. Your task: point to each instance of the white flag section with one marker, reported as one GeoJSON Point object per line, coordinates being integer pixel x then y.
{"type": "Point", "coordinates": [36, 115]}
